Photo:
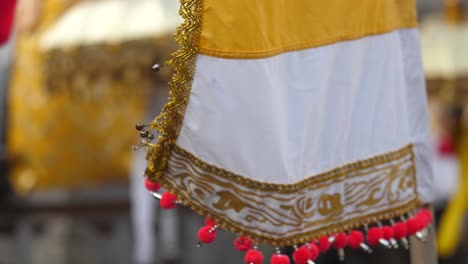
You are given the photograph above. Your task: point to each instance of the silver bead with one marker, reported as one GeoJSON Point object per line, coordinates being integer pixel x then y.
{"type": "Point", "coordinates": [405, 243]}
{"type": "Point", "coordinates": [341, 254]}
{"type": "Point", "coordinates": [157, 67]}
{"type": "Point", "coordinates": [385, 243]}
{"type": "Point", "coordinates": [421, 235]}
{"type": "Point", "coordinates": [156, 195]}
{"type": "Point", "coordinates": [366, 248]}
{"type": "Point", "coordinates": [394, 243]}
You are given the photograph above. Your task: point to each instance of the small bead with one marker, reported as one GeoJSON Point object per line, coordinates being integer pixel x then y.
{"type": "Point", "coordinates": [144, 133]}
{"type": "Point", "coordinates": [157, 67]}
{"type": "Point", "coordinates": [139, 126]}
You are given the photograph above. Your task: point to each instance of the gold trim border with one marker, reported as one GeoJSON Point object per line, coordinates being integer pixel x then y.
{"type": "Point", "coordinates": [169, 122]}
{"type": "Point", "coordinates": [346, 225]}
{"type": "Point", "coordinates": [353, 223]}
{"type": "Point", "coordinates": [291, 188]}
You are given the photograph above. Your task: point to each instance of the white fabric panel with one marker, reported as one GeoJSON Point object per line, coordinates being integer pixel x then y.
{"type": "Point", "coordinates": [286, 118]}
{"type": "Point", "coordinates": [418, 114]}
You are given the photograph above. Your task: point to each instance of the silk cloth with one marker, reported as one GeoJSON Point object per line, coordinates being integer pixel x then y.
{"type": "Point", "coordinates": [299, 118]}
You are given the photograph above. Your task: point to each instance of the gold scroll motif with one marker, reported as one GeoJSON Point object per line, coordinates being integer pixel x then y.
{"type": "Point", "coordinates": [283, 214]}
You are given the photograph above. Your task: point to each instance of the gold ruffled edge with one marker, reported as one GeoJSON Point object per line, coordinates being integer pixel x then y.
{"type": "Point", "coordinates": [169, 122]}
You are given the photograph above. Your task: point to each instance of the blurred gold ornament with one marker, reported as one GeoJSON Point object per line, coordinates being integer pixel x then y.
{"type": "Point", "coordinates": [453, 11]}
{"type": "Point", "coordinates": [24, 181]}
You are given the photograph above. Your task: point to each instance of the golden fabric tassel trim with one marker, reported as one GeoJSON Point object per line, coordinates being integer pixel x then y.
{"type": "Point", "coordinates": [168, 124]}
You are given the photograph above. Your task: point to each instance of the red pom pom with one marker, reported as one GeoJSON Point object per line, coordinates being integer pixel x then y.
{"type": "Point", "coordinates": [168, 201]}
{"type": "Point", "coordinates": [243, 243]}
{"type": "Point", "coordinates": [280, 259]}
{"type": "Point", "coordinates": [151, 185]}
{"type": "Point", "coordinates": [425, 217]}
{"type": "Point", "coordinates": [253, 256]}
{"type": "Point", "coordinates": [413, 225]}
{"type": "Point", "coordinates": [323, 244]}
{"type": "Point", "coordinates": [374, 235]}
{"type": "Point", "coordinates": [400, 230]}
{"type": "Point", "coordinates": [205, 236]}
{"type": "Point", "coordinates": [209, 221]}
{"type": "Point", "coordinates": [355, 239]}
{"type": "Point", "coordinates": [341, 240]}
{"type": "Point", "coordinates": [447, 146]}
{"type": "Point", "coordinates": [314, 251]}
{"type": "Point", "coordinates": [388, 232]}
{"type": "Point", "coordinates": [302, 255]}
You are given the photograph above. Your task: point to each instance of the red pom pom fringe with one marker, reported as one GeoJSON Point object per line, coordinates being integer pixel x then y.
{"type": "Point", "coordinates": [374, 234]}
{"type": "Point", "coordinates": [209, 221]}
{"type": "Point", "coordinates": [323, 244]}
{"type": "Point", "coordinates": [207, 235]}
{"type": "Point", "coordinates": [243, 243]}
{"type": "Point", "coordinates": [355, 239]}
{"type": "Point", "coordinates": [341, 240]}
{"type": "Point", "coordinates": [414, 225]}
{"type": "Point", "coordinates": [400, 230]}
{"type": "Point", "coordinates": [151, 185]}
{"type": "Point", "coordinates": [280, 259]}
{"type": "Point", "coordinates": [253, 256]}
{"type": "Point", "coordinates": [388, 232]}
{"type": "Point", "coordinates": [168, 201]}
{"type": "Point", "coordinates": [314, 251]}
{"type": "Point", "coordinates": [302, 255]}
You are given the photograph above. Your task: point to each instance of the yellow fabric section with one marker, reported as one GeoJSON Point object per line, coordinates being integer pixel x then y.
{"type": "Point", "coordinates": [263, 28]}
{"type": "Point", "coordinates": [60, 141]}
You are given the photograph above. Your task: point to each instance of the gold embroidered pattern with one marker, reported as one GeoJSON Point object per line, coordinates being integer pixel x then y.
{"type": "Point", "coordinates": [362, 192]}
{"type": "Point", "coordinates": [169, 122]}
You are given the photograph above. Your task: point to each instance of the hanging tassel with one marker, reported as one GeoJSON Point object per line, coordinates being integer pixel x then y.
{"type": "Point", "coordinates": [400, 231]}
{"type": "Point", "coordinates": [414, 225]}
{"type": "Point", "coordinates": [339, 243]}
{"type": "Point", "coordinates": [207, 234]}
{"type": "Point", "coordinates": [305, 254]}
{"type": "Point", "coordinates": [209, 221]}
{"type": "Point", "coordinates": [389, 235]}
{"type": "Point", "coordinates": [168, 201]}
{"type": "Point", "coordinates": [151, 185]}
{"type": "Point", "coordinates": [253, 256]}
{"type": "Point", "coordinates": [323, 244]}
{"type": "Point", "coordinates": [279, 258]}
{"type": "Point", "coordinates": [243, 244]}
{"type": "Point", "coordinates": [375, 236]}
{"type": "Point", "coordinates": [356, 240]}
{"type": "Point", "coordinates": [314, 251]}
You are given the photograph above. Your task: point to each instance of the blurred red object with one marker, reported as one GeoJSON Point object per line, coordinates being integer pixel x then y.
{"type": "Point", "coordinates": [7, 13]}
{"type": "Point", "coordinates": [446, 146]}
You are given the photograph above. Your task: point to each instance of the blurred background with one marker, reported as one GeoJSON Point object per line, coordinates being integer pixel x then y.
{"type": "Point", "coordinates": [75, 76]}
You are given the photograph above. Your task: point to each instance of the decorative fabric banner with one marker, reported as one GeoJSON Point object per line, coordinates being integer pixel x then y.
{"type": "Point", "coordinates": [290, 120]}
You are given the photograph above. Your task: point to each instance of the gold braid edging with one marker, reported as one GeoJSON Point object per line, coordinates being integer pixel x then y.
{"type": "Point", "coordinates": [169, 122]}
{"type": "Point", "coordinates": [344, 226]}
